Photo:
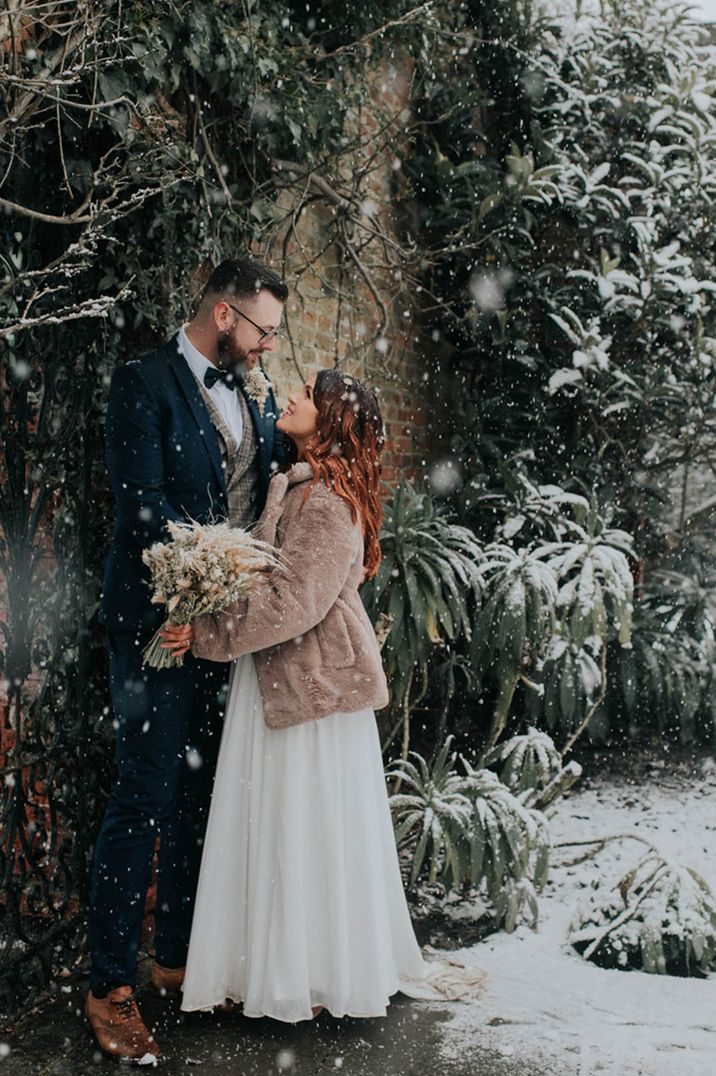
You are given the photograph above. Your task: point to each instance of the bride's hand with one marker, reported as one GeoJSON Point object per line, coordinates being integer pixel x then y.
{"type": "Point", "coordinates": [178, 638]}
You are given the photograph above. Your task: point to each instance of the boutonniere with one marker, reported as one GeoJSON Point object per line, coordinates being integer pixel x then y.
{"type": "Point", "coordinates": [257, 387]}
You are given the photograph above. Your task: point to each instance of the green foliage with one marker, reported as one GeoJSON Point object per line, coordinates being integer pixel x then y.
{"type": "Point", "coordinates": [529, 761]}
{"type": "Point", "coordinates": [596, 583]}
{"type": "Point", "coordinates": [428, 583]}
{"type": "Point", "coordinates": [470, 829]}
{"type": "Point", "coordinates": [509, 847]}
{"type": "Point", "coordinates": [436, 814]}
{"type": "Point", "coordinates": [515, 623]}
{"type": "Point", "coordinates": [572, 262]}
{"type": "Point", "coordinates": [570, 679]}
{"type": "Point", "coordinates": [665, 683]}
{"type": "Point", "coordinates": [160, 155]}
{"type": "Point", "coordinates": [501, 617]}
{"type": "Point", "coordinates": [660, 918]}
{"type": "Point", "coordinates": [549, 609]}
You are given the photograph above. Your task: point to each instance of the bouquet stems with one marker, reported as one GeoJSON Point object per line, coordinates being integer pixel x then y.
{"type": "Point", "coordinates": [205, 568]}
{"type": "Point", "coordinates": [157, 657]}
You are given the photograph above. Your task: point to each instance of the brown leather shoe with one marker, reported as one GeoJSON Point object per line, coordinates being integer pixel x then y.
{"type": "Point", "coordinates": [118, 1027]}
{"type": "Point", "coordinates": [167, 980]}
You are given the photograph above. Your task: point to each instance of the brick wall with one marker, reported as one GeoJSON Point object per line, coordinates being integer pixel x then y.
{"type": "Point", "coordinates": [402, 378]}
{"type": "Point", "coordinates": [332, 316]}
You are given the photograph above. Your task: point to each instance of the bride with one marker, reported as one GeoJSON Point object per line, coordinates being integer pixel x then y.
{"type": "Point", "coordinates": [300, 904]}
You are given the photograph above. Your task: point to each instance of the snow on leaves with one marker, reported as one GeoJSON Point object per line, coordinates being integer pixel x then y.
{"type": "Point", "coordinates": [661, 918]}
{"type": "Point", "coordinates": [469, 827]}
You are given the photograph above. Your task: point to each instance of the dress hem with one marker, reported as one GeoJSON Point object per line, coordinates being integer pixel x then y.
{"type": "Point", "coordinates": [257, 1015]}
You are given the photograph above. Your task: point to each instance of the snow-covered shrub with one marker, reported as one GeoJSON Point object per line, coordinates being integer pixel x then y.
{"type": "Point", "coordinates": [661, 918]}
{"type": "Point", "coordinates": [526, 512]}
{"type": "Point", "coordinates": [525, 762]}
{"type": "Point", "coordinates": [667, 681]}
{"type": "Point", "coordinates": [572, 195]}
{"type": "Point", "coordinates": [468, 828]}
{"type": "Point", "coordinates": [571, 679]}
{"type": "Point", "coordinates": [596, 586]}
{"type": "Point", "coordinates": [435, 815]}
{"type": "Point", "coordinates": [548, 613]}
{"type": "Point", "coordinates": [509, 847]}
{"type": "Point", "coordinates": [532, 768]}
{"type": "Point", "coordinates": [595, 604]}
{"type": "Point", "coordinates": [515, 622]}
{"type": "Point", "coordinates": [428, 583]}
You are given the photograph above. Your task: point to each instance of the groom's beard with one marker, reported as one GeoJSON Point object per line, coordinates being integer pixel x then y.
{"type": "Point", "coordinates": [234, 358]}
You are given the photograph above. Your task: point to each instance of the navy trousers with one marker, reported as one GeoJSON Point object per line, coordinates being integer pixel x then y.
{"type": "Point", "coordinates": [168, 728]}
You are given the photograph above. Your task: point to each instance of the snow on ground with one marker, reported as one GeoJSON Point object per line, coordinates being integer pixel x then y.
{"type": "Point", "coordinates": [547, 1005]}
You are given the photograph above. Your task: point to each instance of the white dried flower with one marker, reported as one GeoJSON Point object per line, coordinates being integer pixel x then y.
{"type": "Point", "coordinates": [203, 569]}
{"type": "Point", "coordinates": [257, 387]}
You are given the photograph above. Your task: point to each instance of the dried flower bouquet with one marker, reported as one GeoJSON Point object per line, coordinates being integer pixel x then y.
{"type": "Point", "coordinates": [203, 569]}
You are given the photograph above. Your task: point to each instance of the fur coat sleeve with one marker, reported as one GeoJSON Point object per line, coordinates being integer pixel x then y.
{"type": "Point", "coordinates": [319, 547]}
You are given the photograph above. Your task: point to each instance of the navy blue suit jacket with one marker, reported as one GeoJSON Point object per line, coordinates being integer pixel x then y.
{"type": "Point", "coordinates": [164, 463]}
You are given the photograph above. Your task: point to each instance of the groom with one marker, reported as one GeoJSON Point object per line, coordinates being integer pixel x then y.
{"type": "Point", "coordinates": [186, 439]}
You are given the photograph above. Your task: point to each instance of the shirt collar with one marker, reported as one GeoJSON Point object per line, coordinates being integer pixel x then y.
{"type": "Point", "coordinates": [198, 363]}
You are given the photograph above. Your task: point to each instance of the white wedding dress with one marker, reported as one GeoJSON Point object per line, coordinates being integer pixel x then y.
{"type": "Point", "coordinates": [300, 901]}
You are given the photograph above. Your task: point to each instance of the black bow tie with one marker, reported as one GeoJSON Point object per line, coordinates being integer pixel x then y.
{"type": "Point", "coordinates": [212, 375]}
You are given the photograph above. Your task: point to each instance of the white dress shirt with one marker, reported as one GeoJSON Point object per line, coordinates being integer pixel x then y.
{"type": "Point", "coordinates": [225, 398]}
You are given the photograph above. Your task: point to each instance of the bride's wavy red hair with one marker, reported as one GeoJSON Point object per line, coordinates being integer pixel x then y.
{"type": "Point", "coordinates": [345, 452]}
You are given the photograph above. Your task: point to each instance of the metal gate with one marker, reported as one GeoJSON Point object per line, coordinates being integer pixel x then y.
{"type": "Point", "coordinates": [53, 747]}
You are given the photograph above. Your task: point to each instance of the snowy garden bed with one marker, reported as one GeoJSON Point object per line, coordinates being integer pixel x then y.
{"type": "Point", "coordinates": [547, 1005]}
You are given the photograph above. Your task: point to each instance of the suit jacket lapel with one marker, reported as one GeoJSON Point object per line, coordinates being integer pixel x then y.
{"type": "Point", "coordinates": [189, 387]}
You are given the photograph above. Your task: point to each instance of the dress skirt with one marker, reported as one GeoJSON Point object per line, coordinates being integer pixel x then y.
{"type": "Point", "coordinates": [300, 901]}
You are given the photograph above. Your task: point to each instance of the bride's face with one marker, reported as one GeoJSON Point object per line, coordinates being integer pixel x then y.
{"type": "Point", "coordinates": [299, 418]}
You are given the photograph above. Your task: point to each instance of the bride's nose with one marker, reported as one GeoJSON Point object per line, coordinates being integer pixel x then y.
{"type": "Point", "coordinates": [292, 397]}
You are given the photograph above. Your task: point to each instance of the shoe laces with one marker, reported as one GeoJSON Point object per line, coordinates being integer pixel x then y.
{"type": "Point", "coordinates": [125, 1007]}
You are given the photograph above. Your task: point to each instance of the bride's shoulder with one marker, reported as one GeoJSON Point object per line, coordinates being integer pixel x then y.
{"type": "Point", "coordinates": [300, 487]}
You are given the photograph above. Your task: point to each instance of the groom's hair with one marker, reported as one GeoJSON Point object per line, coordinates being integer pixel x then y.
{"type": "Point", "coordinates": [243, 278]}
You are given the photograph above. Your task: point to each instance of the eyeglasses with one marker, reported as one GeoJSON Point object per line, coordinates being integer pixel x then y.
{"type": "Point", "coordinates": [264, 334]}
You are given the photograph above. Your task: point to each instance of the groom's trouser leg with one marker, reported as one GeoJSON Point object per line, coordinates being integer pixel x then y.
{"type": "Point", "coordinates": [155, 712]}
{"type": "Point", "coordinates": [182, 840]}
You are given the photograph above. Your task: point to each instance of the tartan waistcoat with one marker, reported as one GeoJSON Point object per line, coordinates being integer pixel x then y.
{"type": "Point", "coordinates": [239, 461]}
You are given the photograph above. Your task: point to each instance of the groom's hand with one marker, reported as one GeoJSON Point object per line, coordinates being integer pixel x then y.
{"type": "Point", "coordinates": [178, 638]}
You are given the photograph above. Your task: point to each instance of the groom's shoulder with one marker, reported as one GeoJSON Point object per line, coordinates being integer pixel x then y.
{"type": "Point", "coordinates": [159, 359]}
{"type": "Point", "coordinates": [154, 366]}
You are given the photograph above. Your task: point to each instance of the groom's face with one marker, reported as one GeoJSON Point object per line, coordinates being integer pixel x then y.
{"type": "Point", "coordinates": [239, 342]}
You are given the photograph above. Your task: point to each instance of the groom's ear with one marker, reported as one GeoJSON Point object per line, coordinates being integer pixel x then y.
{"type": "Point", "coordinates": [222, 315]}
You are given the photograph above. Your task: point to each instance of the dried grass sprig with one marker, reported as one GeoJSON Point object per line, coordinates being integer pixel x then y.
{"type": "Point", "coordinates": [203, 569]}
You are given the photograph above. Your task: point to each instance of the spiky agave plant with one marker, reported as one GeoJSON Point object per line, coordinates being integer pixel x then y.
{"type": "Point", "coordinates": [471, 830]}
{"type": "Point", "coordinates": [435, 815]}
{"type": "Point", "coordinates": [661, 918]}
{"type": "Point", "coordinates": [426, 585]}
{"type": "Point", "coordinates": [529, 761]}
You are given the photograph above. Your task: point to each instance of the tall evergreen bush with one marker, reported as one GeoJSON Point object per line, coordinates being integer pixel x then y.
{"type": "Point", "coordinates": [566, 194]}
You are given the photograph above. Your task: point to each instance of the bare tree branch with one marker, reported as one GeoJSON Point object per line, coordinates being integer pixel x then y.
{"type": "Point", "coordinates": [409, 16]}
{"type": "Point", "coordinates": [49, 218]}
{"type": "Point", "coordinates": [98, 307]}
